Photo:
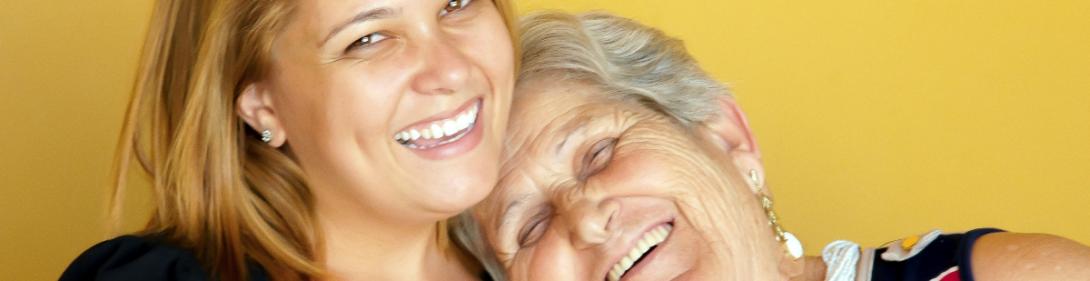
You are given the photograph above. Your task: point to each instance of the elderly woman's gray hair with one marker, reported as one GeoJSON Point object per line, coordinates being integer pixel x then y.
{"type": "Point", "coordinates": [625, 59]}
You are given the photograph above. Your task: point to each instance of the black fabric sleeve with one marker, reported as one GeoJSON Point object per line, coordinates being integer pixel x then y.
{"type": "Point", "coordinates": [134, 258]}
{"type": "Point", "coordinates": [942, 254]}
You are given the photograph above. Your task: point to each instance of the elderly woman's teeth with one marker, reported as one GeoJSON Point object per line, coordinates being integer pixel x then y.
{"type": "Point", "coordinates": [643, 247]}
{"type": "Point", "coordinates": [439, 132]}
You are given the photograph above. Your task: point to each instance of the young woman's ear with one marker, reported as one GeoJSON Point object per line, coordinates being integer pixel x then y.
{"type": "Point", "coordinates": [255, 107]}
{"type": "Point", "coordinates": [730, 131]}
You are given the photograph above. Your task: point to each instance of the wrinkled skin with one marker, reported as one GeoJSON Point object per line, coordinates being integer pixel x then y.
{"type": "Point", "coordinates": [585, 176]}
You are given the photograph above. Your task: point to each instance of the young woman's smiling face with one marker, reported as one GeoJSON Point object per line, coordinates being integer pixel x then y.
{"type": "Point", "coordinates": [597, 188]}
{"type": "Point", "coordinates": [395, 107]}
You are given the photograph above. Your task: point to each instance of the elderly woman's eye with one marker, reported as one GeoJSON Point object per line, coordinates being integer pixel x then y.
{"type": "Point", "coordinates": [365, 41]}
{"type": "Point", "coordinates": [454, 6]}
{"type": "Point", "coordinates": [597, 158]}
{"type": "Point", "coordinates": [533, 230]}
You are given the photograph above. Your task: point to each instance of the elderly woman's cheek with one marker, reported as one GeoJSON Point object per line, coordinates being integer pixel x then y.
{"type": "Point", "coordinates": [549, 261]}
{"type": "Point", "coordinates": [645, 171]}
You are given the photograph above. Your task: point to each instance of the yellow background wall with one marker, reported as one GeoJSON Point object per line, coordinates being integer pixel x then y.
{"type": "Point", "coordinates": [877, 119]}
{"type": "Point", "coordinates": [66, 67]}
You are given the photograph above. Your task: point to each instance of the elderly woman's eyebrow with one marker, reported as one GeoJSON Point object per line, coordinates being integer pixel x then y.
{"type": "Point", "coordinates": [508, 211]}
{"type": "Point", "coordinates": [571, 128]}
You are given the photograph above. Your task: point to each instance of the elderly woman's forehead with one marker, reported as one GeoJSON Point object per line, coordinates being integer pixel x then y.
{"type": "Point", "coordinates": [546, 113]}
{"type": "Point", "coordinates": [536, 93]}
{"type": "Point", "coordinates": [537, 106]}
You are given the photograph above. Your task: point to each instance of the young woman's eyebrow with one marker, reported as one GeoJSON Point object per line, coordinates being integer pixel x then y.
{"type": "Point", "coordinates": [368, 15]}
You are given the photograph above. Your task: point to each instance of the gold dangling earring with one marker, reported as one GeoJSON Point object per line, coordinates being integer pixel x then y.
{"type": "Point", "coordinates": [790, 242]}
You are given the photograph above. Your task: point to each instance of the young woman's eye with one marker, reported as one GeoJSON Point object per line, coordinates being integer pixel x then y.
{"type": "Point", "coordinates": [454, 6]}
{"type": "Point", "coordinates": [533, 230]}
{"type": "Point", "coordinates": [597, 158]}
{"type": "Point", "coordinates": [365, 41]}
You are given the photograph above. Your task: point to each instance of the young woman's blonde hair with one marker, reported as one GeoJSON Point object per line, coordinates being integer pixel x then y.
{"type": "Point", "coordinates": [218, 191]}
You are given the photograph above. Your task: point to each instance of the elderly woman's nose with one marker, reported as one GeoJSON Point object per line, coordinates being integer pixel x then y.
{"type": "Point", "coordinates": [443, 66]}
{"type": "Point", "coordinates": [593, 221]}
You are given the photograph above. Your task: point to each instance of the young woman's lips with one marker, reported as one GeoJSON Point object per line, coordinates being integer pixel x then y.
{"type": "Point", "coordinates": [445, 135]}
{"type": "Point", "coordinates": [642, 252]}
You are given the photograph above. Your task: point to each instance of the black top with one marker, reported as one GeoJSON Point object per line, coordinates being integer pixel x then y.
{"type": "Point", "coordinates": [141, 258]}
{"type": "Point", "coordinates": [946, 258]}
{"type": "Point", "coordinates": [146, 258]}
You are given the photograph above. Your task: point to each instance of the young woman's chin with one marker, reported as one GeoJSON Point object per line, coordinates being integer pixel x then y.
{"type": "Point", "coordinates": [452, 178]}
{"type": "Point", "coordinates": [452, 190]}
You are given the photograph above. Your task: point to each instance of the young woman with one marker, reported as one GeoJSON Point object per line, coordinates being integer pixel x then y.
{"type": "Point", "coordinates": [295, 140]}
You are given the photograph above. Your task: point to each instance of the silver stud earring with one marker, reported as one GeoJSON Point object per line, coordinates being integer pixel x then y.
{"type": "Point", "coordinates": [790, 242]}
{"type": "Point", "coordinates": [266, 136]}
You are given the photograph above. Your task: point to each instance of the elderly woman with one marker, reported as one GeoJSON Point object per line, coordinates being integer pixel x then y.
{"type": "Point", "coordinates": [624, 161]}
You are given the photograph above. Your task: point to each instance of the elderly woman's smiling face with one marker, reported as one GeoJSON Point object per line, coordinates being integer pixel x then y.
{"type": "Point", "coordinates": [595, 188]}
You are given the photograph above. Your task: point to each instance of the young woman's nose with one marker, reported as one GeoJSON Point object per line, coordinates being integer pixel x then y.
{"type": "Point", "coordinates": [592, 222]}
{"type": "Point", "coordinates": [444, 68]}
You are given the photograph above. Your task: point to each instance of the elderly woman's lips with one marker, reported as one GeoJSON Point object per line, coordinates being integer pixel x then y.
{"type": "Point", "coordinates": [642, 249]}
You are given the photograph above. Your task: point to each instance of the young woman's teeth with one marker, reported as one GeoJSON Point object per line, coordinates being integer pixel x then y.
{"type": "Point", "coordinates": [439, 132]}
{"type": "Point", "coordinates": [650, 240]}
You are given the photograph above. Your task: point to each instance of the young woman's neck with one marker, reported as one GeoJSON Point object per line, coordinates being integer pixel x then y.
{"type": "Point", "coordinates": [356, 247]}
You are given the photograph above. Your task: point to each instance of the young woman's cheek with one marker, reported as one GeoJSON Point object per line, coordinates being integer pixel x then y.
{"type": "Point", "coordinates": [480, 42]}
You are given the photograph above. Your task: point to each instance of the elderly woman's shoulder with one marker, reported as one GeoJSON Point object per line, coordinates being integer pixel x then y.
{"type": "Point", "coordinates": [1029, 256]}
{"type": "Point", "coordinates": [979, 254]}
{"type": "Point", "coordinates": [133, 257]}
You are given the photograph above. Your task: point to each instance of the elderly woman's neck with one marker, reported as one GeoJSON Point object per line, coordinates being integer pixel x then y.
{"type": "Point", "coordinates": [814, 269]}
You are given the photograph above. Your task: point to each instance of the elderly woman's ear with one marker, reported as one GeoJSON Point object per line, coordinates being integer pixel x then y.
{"type": "Point", "coordinates": [729, 131]}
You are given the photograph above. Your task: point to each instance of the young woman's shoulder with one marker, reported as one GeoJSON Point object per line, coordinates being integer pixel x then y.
{"type": "Point", "coordinates": [139, 258]}
{"type": "Point", "coordinates": [135, 258]}
{"type": "Point", "coordinates": [1027, 256]}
